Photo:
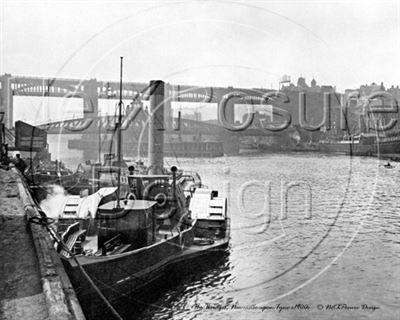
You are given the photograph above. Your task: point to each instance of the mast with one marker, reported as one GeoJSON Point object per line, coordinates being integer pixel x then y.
{"type": "Point", "coordinates": [99, 149]}
{"type": "Point", "coordinates": [119, 136]}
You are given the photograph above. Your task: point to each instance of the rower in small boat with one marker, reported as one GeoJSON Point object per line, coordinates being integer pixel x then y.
{"type": "Point", "coordinates": [388, 165]}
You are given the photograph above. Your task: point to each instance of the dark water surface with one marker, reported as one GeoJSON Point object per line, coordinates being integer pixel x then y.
{"type": "Point", "coordinates": [344, 250]}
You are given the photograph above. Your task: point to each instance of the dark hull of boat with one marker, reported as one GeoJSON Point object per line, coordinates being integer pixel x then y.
{"type": "Point", "coordinates": [388, 147]}
{"type": "Point", "coordinates": [382, 147]}
{"type": "Point", "coordinates": [126, 275]}
{"type": "Point", "coordinates": [346, 148]}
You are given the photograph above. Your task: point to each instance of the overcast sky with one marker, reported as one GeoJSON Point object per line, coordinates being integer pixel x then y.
{"type": "Point", "coordinates": [220, 43]}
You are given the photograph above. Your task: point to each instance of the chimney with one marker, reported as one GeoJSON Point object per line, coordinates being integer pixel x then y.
{"type": "Point", "coordinates": [156, 127]}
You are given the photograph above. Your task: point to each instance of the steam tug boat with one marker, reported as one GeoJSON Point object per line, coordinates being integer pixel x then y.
{"type": "Point", "coordinates": [155, 227]}
{"type": "Point", "coordinates": [119, 240]}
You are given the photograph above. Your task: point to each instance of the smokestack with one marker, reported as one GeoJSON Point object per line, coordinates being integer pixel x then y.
{"type": "Point", "coordinates": [156, 127]}
{"type": "Point", "coordinates": [168, 118]}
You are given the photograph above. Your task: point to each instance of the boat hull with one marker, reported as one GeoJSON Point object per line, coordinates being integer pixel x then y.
{"type": "Point", "coordinates": [364, 146]}
{"type": "Point", "coordinates": [387, 147]}
{"type": "Point", "coordinates": [346, 148]}
{"type": "Point", "coordinates": [126, 275]}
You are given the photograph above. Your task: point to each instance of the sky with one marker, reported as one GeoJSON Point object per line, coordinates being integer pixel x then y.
{"type": "Point", "coordinates": [248, 44]}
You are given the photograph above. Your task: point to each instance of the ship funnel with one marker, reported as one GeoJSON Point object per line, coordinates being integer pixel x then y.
{"type": "Point", "coordinates": [156, 127]}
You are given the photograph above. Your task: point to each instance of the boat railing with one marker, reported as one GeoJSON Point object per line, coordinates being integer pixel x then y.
{"type": "Point", "coordinates": [190, 179]}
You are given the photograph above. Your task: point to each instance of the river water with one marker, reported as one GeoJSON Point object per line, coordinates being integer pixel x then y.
{"type": "Point", "coordinates": [328, 248]}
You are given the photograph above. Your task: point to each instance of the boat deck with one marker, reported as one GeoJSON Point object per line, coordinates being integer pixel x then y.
{"type": "Point", "coordinates": [90, 243]}
{"type": "Point", "coordinates": [199, 245]}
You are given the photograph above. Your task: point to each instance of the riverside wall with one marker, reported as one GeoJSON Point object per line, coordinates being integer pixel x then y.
{"type": "Point", "coordinates": [33, 282]}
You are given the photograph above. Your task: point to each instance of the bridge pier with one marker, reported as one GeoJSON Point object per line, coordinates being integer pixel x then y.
{"type": "Point", "coordinates": [91, 100]}
{"type": "Point", "coordinates": [6, 101]}
{"type": "Point", "coordinates": [230, 142]}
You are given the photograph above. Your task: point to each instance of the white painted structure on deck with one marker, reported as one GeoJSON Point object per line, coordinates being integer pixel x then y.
{"type": "Point", "coordinates": [204, 206]}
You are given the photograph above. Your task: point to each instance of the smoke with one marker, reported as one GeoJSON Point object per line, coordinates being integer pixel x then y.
{"type": "Point", "coordinates": [87, 206]}
{"type": "Point", "coordinates": [54, 202]}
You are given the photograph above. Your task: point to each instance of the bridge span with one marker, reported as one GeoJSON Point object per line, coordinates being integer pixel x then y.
{"type": "Point", "coordinates": [92, 90]}
{"type": "Point", "coordinates": [135, 126]}
{"type": "Point", "coordinates": [134, 122]}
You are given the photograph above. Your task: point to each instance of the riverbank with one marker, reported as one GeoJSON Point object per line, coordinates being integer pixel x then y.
{"type": "Point", "coordinates": [33, 283]}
